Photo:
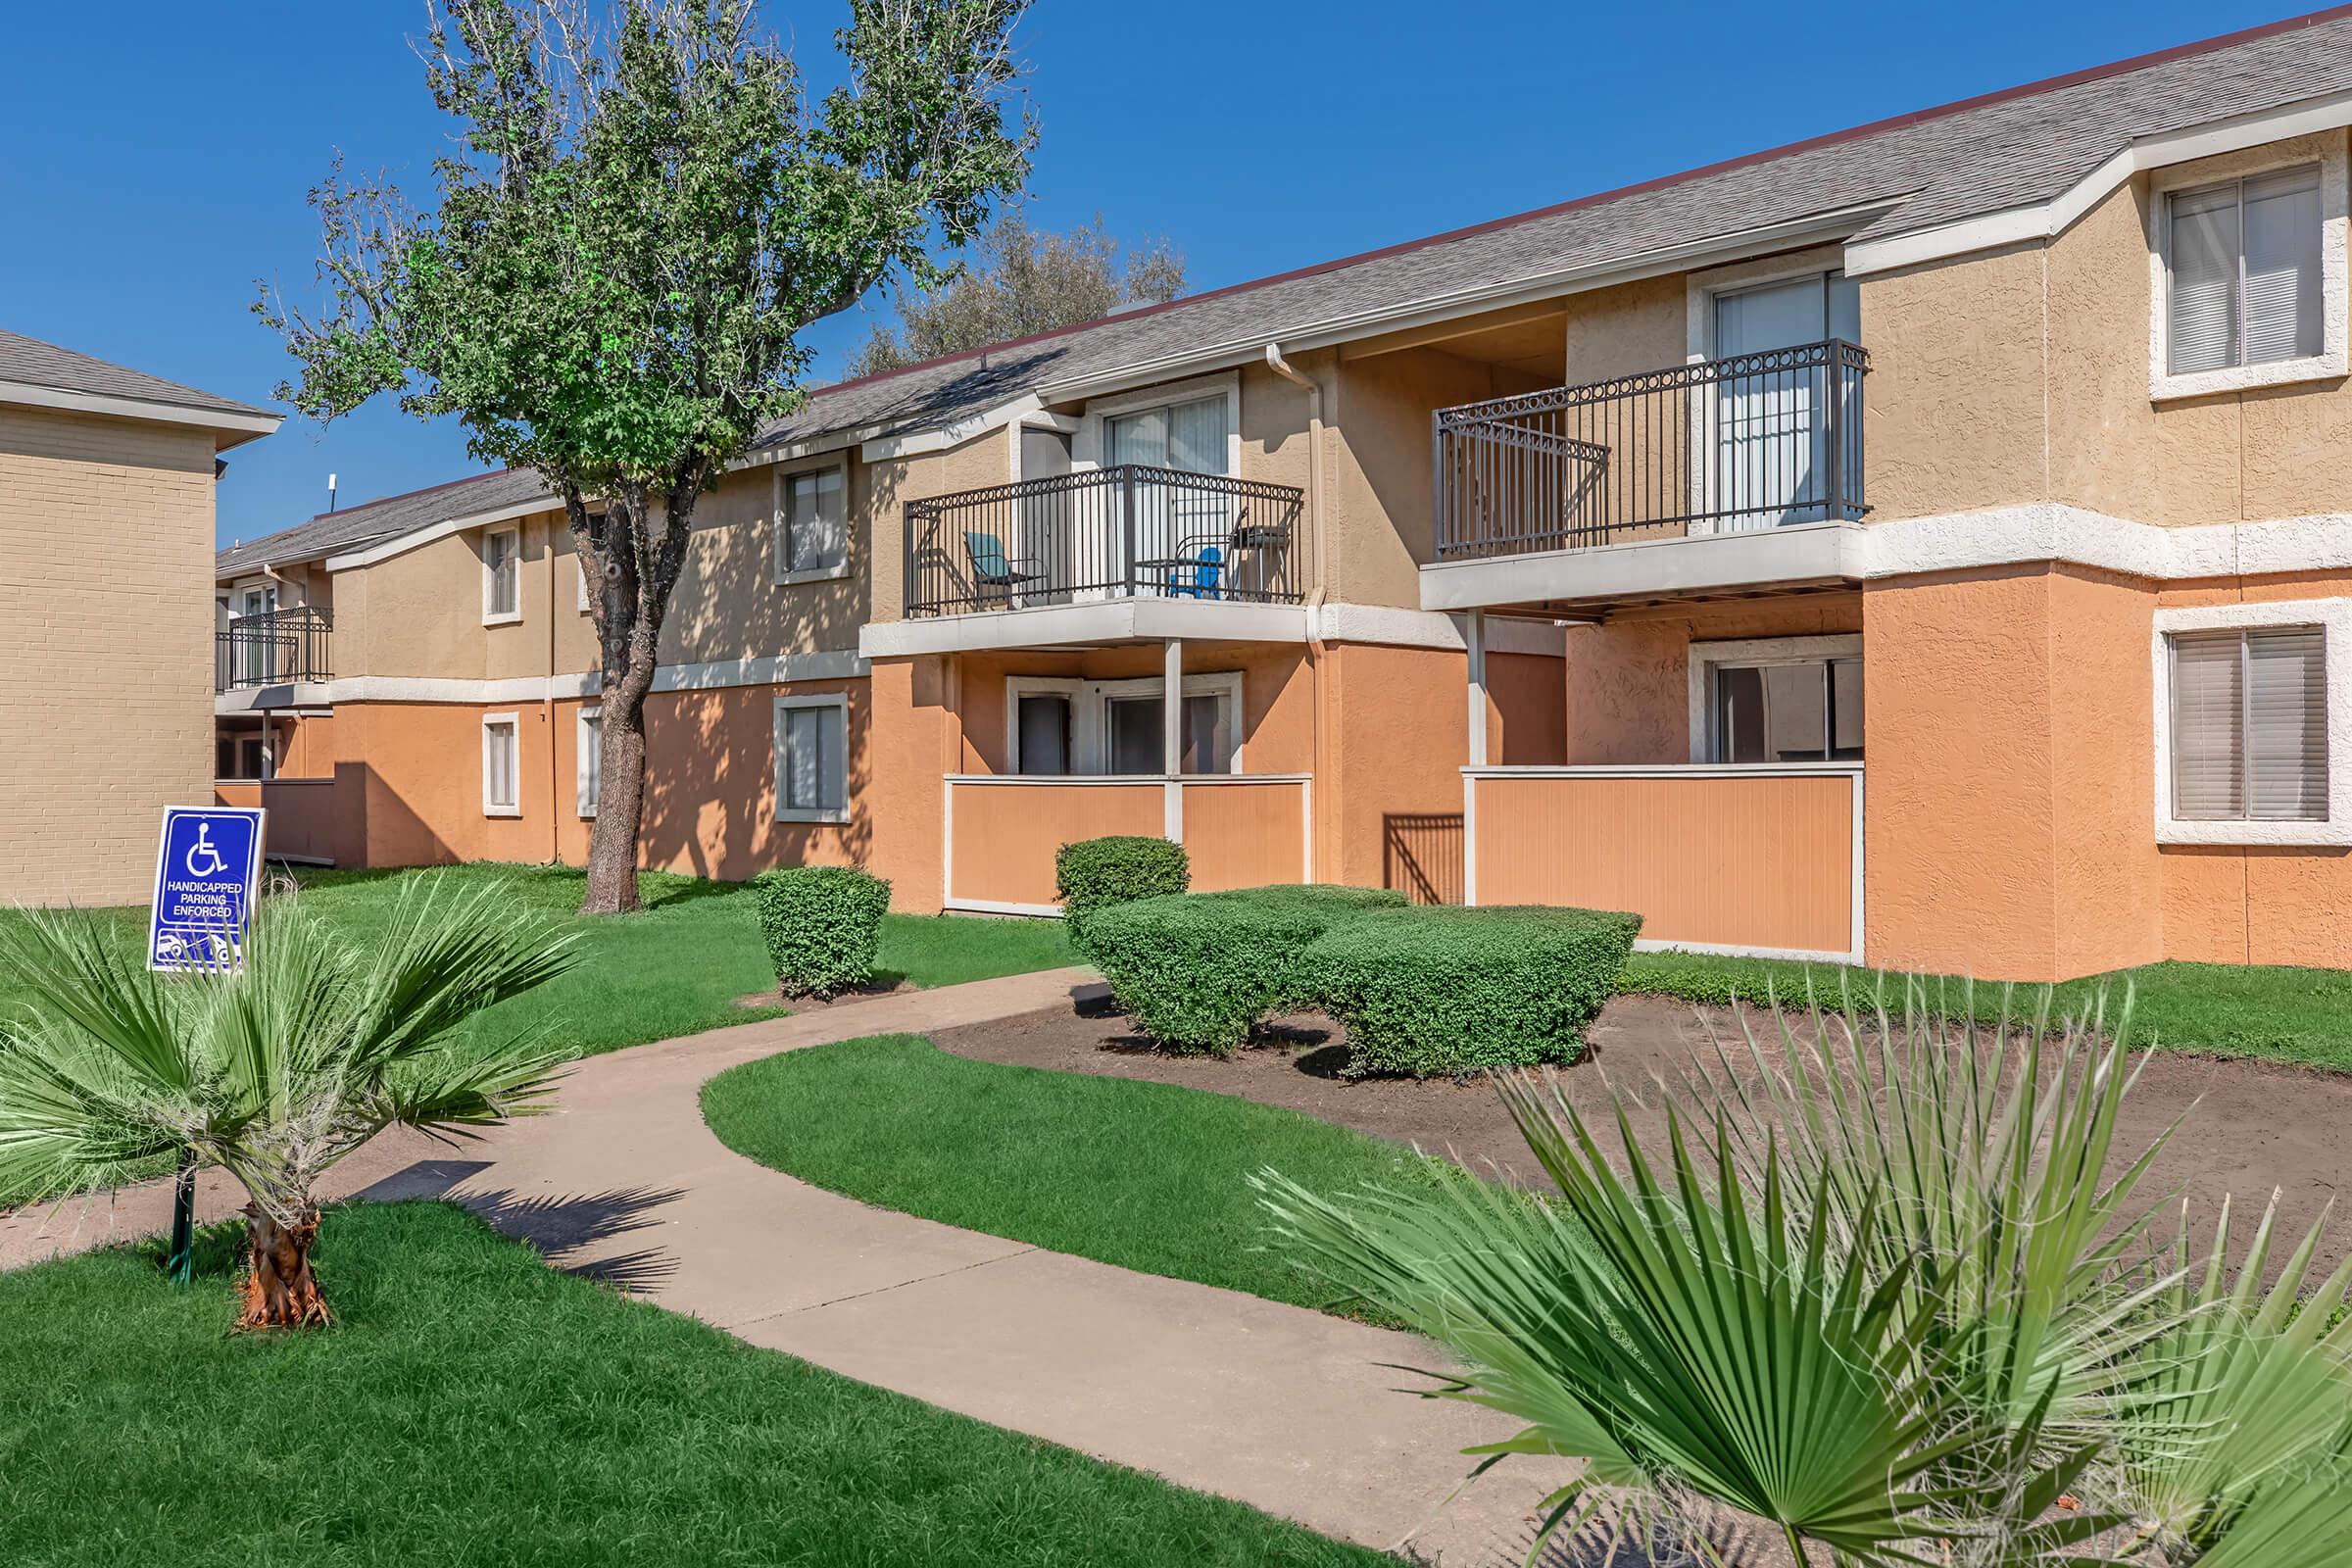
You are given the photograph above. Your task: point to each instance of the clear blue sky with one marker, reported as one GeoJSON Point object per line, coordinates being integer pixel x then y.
{"type": "Point", "coordinates": [161, 150]}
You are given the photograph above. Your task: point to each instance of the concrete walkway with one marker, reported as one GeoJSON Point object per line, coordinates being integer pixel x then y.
{"type": "Point", "coordinates": [1289, 1410]}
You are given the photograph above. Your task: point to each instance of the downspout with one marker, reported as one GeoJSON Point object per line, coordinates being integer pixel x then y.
{"type": "Point", "coordinates": [1324, 779]}
{"type": "Point", "coordinates": [555, 817]}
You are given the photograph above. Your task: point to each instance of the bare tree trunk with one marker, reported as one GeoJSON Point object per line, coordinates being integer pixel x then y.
{"type": "Point", "coordinates": [619, 799]}
{"type": "Point", "coordinates": [280, 1291]}
{"type": "Point", "coordinates": [639, 569]}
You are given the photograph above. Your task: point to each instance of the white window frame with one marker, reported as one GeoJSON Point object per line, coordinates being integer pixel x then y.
{"type": "Point", "coordinates": [1090, 714]}
{"type": "Point", "coordinates": [513, 722]}
{"type": "Point", "coordinates": [809, 814]}
{"type": "Point", "coordinates": [780, 553]}
{"type": "Point", "coordinates": [490, 616]}
{"type": "Point", "coordinates": [588, 781]}
{"type": "Point", "coordinates": [1752, 653]}
{"type": "Point", "coordinates": [2334, 617]}
{"type": "Point", "coordinates": [1090, 446]}
{"type": "Point", "coordinates": [2335, 359]}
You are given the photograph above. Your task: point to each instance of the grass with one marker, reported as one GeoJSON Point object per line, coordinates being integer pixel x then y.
{"type": "Point", "coordinates": [674, 969]}
{"type": "Point", "coordinates": [2268, 1013]}
{"type": "Point", "coordinates": [476, 1407]}
{"type": "Point", "coordinates": [1147, 1176]}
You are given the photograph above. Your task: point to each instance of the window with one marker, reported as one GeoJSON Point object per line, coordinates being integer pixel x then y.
{"type": "Point", "coordinates": [502, 575]}
{"type": "Point", "coordinates": [1777, 700]}
{"type": "Point", "coordinates": [1055, 725]}
{"type": "Point", "coordinates": [2246, 272]}
{"type": "Point", "coordinates": [813, 766]}
{"type": "Point", "coordinates": [1190, 436]}
{"type": "Point", "coordinates": [812, 538]}
{"type": "Point", "coordinates": [1041, 740]}
{"type": "Point", "coordinates": [502, 766]}
{"type": "Point", "coordinates": [589, 779]}
{"type": "Point", "coordinates": [1135, 736]}
{"type": "Point", "coordinates": [2249, 726]}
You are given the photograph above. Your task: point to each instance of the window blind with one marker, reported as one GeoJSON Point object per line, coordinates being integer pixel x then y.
{"type": "Point", "coordinates": [2249, 726]}
{"type": "Point", "coordinates": [2286, 724]}
{"type": "Point", "coordinates": [815, 532]}
{"type": "Point", "coordinates": [815, 772]}
{"type": "Point", "coordinates": [2244, 273]}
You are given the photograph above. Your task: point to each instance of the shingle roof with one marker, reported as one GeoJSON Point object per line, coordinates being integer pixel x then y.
{"type": "Point", "coordinates": [30, 361]}
{"type": "Point", "coordinates": [2017, 148]}
{"type": "Point", "coordinates": [333, 533]}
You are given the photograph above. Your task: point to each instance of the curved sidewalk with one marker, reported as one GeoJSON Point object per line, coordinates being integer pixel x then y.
{"type": "Point", "coordinates": [1290, 1411]}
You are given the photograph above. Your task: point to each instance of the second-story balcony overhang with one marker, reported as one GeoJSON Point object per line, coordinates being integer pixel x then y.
{"type": "Point", "coordinates": [1710, 478]}
{"type": "Point", "coordinates": [1120, 554]}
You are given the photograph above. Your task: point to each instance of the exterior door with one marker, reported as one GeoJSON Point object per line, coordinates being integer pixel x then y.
{"type": "Point", "coordinates": [1171, 521]}
{"type": "Point", "coordinates": [257, 649]}
{"type": "Point", "coordinates": [1771, 441]}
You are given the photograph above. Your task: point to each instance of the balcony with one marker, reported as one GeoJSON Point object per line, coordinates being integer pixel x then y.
{"type": "Point", "coordinates": [1106, 534]}
{"type": "Point", "coordinates": [1737, 445]}
{"type": "Point", "coordinates": [280, 647]}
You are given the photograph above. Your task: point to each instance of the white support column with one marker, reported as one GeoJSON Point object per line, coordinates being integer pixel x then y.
{"type": "Point", "coordinates": [1475, 638]}
{"type": "Point", "coordinates": [1171, 739]}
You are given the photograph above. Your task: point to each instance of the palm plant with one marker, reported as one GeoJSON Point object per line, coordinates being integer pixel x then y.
{"type": "Point", "coordinates": [273, 1072]}
{"type": "Point", "coordinates": [1900, 1307]}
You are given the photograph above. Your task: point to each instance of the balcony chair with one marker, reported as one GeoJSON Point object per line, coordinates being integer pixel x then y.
{"type": "Point", "coordinates": [991, 567]}
{"type": "Point", "coordinates": [1198, 568]}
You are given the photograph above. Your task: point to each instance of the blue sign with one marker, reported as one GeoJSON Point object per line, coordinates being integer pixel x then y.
{"type": "Point", "coordinates": [205, 876]}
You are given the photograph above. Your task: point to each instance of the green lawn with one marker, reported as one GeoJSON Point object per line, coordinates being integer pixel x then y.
{"type": "Point", "coordinates": [2272, 1012]}
{"type": "Point", "coordinates": [476, 1407]}
{"type": "Point", "coordinates": [678, 967]}
{"type": "Point", "coordinates": [1147, 1176]}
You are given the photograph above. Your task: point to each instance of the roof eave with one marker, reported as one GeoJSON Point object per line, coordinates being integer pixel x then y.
{"type": "Point", "coordinates": [237, 427]}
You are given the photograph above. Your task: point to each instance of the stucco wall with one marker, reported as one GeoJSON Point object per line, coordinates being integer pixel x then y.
{"type": "Point", "coordinates": [106, 649]}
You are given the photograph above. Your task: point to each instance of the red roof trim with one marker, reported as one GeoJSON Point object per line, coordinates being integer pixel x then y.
{"type": "Point", "coordinates": [1874, 127]}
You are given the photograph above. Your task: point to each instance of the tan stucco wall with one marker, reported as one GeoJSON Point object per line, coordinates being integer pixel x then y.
{"type": "Point", "coordinates": [106, 649]}
{"type": "Point", "coordinates": [2023, 376]}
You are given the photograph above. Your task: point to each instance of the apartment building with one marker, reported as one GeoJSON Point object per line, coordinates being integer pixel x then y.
{"type": "Point", "coordinates": [1925, 544]}
{"type": "Point", "coordinates": [111, 469]}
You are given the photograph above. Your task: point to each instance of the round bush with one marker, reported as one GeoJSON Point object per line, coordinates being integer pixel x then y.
{"type": "Point", "coordinates": [1426, 992]}
{"type": "Point", "coordinates": [823, 926]}
{"type": "Point", "coordinates": [1097, 873]}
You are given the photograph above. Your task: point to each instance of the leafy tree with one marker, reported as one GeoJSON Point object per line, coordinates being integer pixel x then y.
{"type": "Point", "coordinates": [1029, 283]}
{"type": "Point", "coordinates": [641, 211]}
{"type": "Point", "coordinates": [272, 1074]}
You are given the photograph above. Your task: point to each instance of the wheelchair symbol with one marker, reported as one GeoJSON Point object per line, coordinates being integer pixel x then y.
{"type": "Point", "coordinates": [202, 860]}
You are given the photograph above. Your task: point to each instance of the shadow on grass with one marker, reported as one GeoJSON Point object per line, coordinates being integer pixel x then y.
{"type": "Point", "coordinates": [560, 1228]}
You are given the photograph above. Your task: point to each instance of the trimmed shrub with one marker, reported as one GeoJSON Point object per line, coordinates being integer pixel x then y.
{"type": "Point", "coordinates": [1097, 873]}
{"type": "Point", "coordinates": [823, 926]}
{"type": "Point", "coordinates": [1198, 970]}
{"type": "Point", "coordinates": [1441, 991]}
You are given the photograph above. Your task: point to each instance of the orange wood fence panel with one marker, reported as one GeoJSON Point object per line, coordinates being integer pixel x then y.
{"type": "Point", "coordinates": [1004, 836]}
{"type": "Point", "coordinates": [1750, 860]}
{"type": "Point", "coordinates": [1249, 833]}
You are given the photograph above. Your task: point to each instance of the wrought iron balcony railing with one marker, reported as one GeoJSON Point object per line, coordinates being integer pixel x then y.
{"type": "Point", "coordinates": [1104, 533]}
{"type": "Point", "coordinates": [1745, 442]}
{"type": "Point", "coordinates": [273, 648]}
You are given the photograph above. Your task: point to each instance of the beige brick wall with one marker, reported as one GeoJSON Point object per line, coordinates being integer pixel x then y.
{"type": "Point", "coordinates": [106, 655]}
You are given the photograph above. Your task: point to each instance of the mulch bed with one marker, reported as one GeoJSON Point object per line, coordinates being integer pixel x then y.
{"type": "Point", "coordinates": [2249, 1127]}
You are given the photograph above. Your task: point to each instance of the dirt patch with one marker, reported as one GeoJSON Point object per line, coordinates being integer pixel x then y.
{"type": "Point", "coordinates": [2248, 1128]}
{"type": "Point", "coordinates": [777, 998]}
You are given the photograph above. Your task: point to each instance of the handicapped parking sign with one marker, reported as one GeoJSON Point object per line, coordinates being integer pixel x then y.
{"type": "Point", "coordinates": [206, 872]}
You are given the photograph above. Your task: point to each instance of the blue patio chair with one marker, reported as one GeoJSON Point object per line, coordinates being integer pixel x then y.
{"type": "Point", "coordinates": [991, 567]}
{"type": "Point", "coordinates": [1198, 570]}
